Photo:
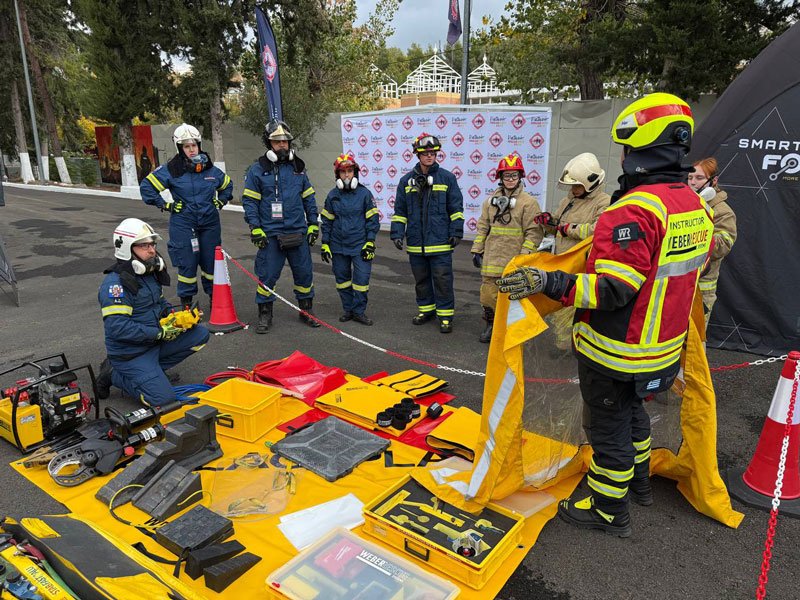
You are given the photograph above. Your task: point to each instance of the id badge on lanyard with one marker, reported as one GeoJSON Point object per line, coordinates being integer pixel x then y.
{"type": "Point", "coordinates": [195, 243]}
{"type": "Point", "coordinates": [277, 211]}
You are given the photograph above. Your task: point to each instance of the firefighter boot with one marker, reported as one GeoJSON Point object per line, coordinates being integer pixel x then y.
{"type": "Point", "coordinates": [186, 302]}
{"type": "Point", "coordinates": [584, 515]}
{"type": "Point", "coordinates": [488, 317]}
{"type": "Point", "coordinates": [422, 317]}
{"type": "Point", "coordinates": [104, 380]}
{"type": "Point", "coordinates": [264, 317]}
{"type": "Point", "coordinates": [639, 489]}
{"type": "Point", "coordinates": [306, 305]}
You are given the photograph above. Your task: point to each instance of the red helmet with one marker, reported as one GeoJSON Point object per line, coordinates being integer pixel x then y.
{"type": "Point", "coordinates": [512, 162]}
{"type": "Point", "coordinates": [345, 160]}
{"type": "Point", "coordinates": [426, 141]}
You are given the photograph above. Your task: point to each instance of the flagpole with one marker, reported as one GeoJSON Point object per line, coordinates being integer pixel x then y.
{"type": "Point", "coordinates": [465, 45]}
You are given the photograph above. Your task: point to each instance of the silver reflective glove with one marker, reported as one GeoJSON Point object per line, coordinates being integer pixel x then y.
{"type": "Point", "coordinates": [523, 282]}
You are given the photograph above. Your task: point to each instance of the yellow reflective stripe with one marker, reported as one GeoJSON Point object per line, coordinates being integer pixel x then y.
{"type": "Point", "coordinates": [197, 348]}
{"type": "Point", "coordinates": [606, 490]}
{"type": "Point", "coordinates": [644, 444]}
{"type": "Point", "coordinates": [371, 212]}
{"type": "Point", "coordinates": [209, 276]}
{"type": "Point", "coordinates": [225, 182]}
{"type": "Point", "coordinates": [344, 286]}
{"type": "Point", "coordinates": [491, 269]}
{"type": "Point", "coordinates": [183, 279]}
{"type": "Point", "coordinates": [479, 238]}
{"type": "Point", "coordinates": [583, 230]}
{"type": "Point", "coordinates": [303, 290]}
{"type": "Point", "coordinates": [445, 312]}
{"type": "Point", "coordinates": [308, 192]}
{"type": "Point", "coordinates": [620, 476]}
{"type": "Point", "coordinates": [626, 349]}
{"type": "Point", "coordinates": [414, 249]}
{"type": "Point", "coordinates": [117, 309]}
{"type": "Point", "coordinates": [313, 228]}
{"type": "Point", "coordinates": [456, 215]}
{"type": "Point", "coordinates": [264, 292]}
{"type": "Point", "coordinates": [156, 183]}
{"type": "Point", "coordinates": [445, 248]}
{"type": "Point", "coordinates": [425, 308]}
{"type": "Point", "coordinates": [410, 188]}
{"type": "Point", "coordinates": [727, 237]}
{"type": "Point", "coordinates": [652, 321]}
{"type": "Point", "coordinates": [399, 219]}
{"type": "Point", "coordinates": [649, 202]}
{"type": "Point", "coordinates": [360, 288]}
{"type": "Point", "coordinates": [506, 230]}
{"type": "Point", "coordinates": [707, 286]}
{"type": "Point", "coordinates": [326, 215]}
{"type": "Point", "coordinates": [439, 187]}
{"type": "Point", "coordinates": [251, 194]}
{"type": "Point", "coordinates": [622, 364]}
{"type": "Point", "coordinates": [529, 245]}
{"type": "Point", "coordinates": [621, 271]}
{"type": "Point", "coordinates": [641, 457]}
{"type": "Point", "coordinates": [585, 291]}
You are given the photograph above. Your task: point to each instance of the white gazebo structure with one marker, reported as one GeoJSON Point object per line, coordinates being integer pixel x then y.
{"type": "Point", "coordinates": [387, 85]}
{"type": "Point", "coordinates": [433, 75]}
{"type": "Point", "coordinates": [482, 82]}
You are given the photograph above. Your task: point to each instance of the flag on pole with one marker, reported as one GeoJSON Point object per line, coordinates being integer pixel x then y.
{"type": "Point", "coordinates": [454, 15]}
{"type": "Point", "coordinates": [268, 54]}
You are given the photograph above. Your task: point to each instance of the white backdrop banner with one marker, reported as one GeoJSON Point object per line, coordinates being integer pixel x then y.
{"type": "Point", "coordinates": [473, 143]}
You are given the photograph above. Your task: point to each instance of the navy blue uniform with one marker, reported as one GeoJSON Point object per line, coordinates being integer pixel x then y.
{"type": "Point", "coordinates": [132, 306]}
{"type": "Point", "coordinates": [279, 199]}
{"type": "Point", "coordinates": [427, 218]}
{"type": "Point", "coordinates": [349, 220]}
{"type": "Point", "coordinates": [194, 232]}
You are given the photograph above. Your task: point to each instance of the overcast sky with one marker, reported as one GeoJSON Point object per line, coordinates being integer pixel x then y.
{"type": "Point", "coordinates": [425, 21]}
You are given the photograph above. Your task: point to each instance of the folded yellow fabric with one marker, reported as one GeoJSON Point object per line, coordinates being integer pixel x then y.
{"type": "Point", "coordinates": [359, 401]}
{"type": "Point", "coordinates": [413, 383]}
{"type": "Point", "coordinates": [458, 433]}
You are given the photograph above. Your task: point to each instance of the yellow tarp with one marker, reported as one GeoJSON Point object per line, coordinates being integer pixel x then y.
{"type": "Point", "coordinates": [261, 535]}
{"type": "Point", "coordinates": [504, 450]}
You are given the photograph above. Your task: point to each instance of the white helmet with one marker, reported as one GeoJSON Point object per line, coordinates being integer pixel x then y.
{"type": "Point", "coordinates": [184, 133]}
{"type": "Point", "coordinates": [583, 170]}
{"type": "Point", "coordinates": [130, 232]}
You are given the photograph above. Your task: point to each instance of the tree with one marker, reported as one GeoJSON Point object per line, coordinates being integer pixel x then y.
{"type": "Point", "coordinates": [129, 78]}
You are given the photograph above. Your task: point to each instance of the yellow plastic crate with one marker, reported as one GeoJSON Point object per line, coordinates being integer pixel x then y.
{"type": "Point", "coordinates": [29, 423]}
{"type": "Point", "coordinates": [247, 410]}
{"type": "Point", "coordinates": [401, 524]}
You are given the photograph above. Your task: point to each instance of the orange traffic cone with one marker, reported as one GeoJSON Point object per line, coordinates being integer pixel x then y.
{"type": "Point", "coordinates": [223, 313]}
{"type": "Point", "coordinates": [755, 486]}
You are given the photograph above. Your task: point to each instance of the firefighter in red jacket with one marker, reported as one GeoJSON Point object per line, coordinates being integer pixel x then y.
{"type": "Point", "coordinates": [633, 304]}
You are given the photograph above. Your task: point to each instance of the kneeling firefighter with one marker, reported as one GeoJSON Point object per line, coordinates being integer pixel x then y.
{"type": "Point", "coordinates": [350, 223]}
{"type": "Point", "coordinates": [507, 227]}
{"type": "Point", "coordinates": [132, 303]}
{"type": "Point", "coordinates": [633, 304]}
{"type": "Point", "coordinates": [199, 191]}
{"type": "Point", "coordinates": [281, 210]}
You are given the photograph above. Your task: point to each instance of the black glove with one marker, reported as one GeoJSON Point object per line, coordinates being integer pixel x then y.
{"type": "Point", "coordinates": [312, 234]}
{"type": "Point", "coordinates": [173, 207]}
{"type": "Point", "coordinates": [368, 251]}
{"type": "Point", "coordinates": [325, 251]}
{"type": "Point", "coordinates": [398, 243]}
{"type": "Point", "coordinates": [529, 280]}
{"type": "Point", "coordinates": [453, 241]}
{"type": "Point", "coordinates": [477, 260]}
{"type": "Point", "coordinates": [258, 237]}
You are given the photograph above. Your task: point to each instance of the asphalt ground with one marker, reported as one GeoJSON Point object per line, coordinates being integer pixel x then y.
{"type": "Point", "coordinates": [60, 243]}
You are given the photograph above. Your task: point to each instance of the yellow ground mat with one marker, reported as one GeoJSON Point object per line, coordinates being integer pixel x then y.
{"type": "Point", "coordinates": [260, 535]}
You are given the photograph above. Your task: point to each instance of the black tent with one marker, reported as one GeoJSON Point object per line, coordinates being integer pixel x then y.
{"type": "Point", "coordinates": [754, 133]}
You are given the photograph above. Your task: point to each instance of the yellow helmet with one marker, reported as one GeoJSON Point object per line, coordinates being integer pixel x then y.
{"type": "Point", "coordinates": [655, 120]}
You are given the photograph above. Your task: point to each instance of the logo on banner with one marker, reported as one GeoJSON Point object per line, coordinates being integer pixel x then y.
{"type": "Point", "coordinates": [423, 121]}
{"type": "Point", "coordinates": [492, 175]}
{"type": "Point", "coordinates": [269, 62]}
{"type": "Point", "coordinates": [364, 171]}
{"type": "Point", "coordinates": [363, 155]}
{"type": "Point", "coordinates": [408, 123]}
{"type": "Point", "coordinates": [457, 139]}
{"type": "Point", "coordinates": [533, 177]}
{"type": "Point", "coordinates": [378, 186]}
{"type": "Point", "coordinates": [391, 171]}
{"type": "Point", "coordinates": [478, 121]}
{"type": "Point", "coordinates": [457, 156]}
{"type": "Point", "coordinates": [472, 224]}
{"type": "Point", "coordinates": [380, 216]}
{"type": "Point", "coordinates": [496, 139]}
{"type": "Point", "coordinates": [377, 124]}
{"type": "Point", "coordinates": [391, 123]}
{"type": "Point", "coordinates": [377, 155]}
{"type": "Point", "coordinates": [348, 140]}
{"type": "Point", "coordinates": [518, 121]}
{"type": "Point", "coordinates": [441, 121]}
{"type": "Point", "coordinates": [392, 139]}
{"type": "Point", "coordinates": [407, 155]}
{"type": "Point", "coordinates": [362, 139]}
{"type": "Point", "coordinates": [440, 156]}
{"type": "Point", "coordinates": [515, 140]}
{"type": "Point", "coordinates": [390, 202]}
{"type": "Point", "coordinates": [476, 156]}
{"type": "Point", "coordinates": [348, 125]}
{"type": "Point", "coordinates": [391, 155]}
{"type": "Point", "coordinates": [537, 140]}
{"type": "Point", "coordinates": [457, 172]}
{"type": "Point", "coordinates": [474, 192]}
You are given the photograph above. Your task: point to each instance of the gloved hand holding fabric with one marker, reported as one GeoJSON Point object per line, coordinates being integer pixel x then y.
{"type": "Point", "coordinates": [523, 282]}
